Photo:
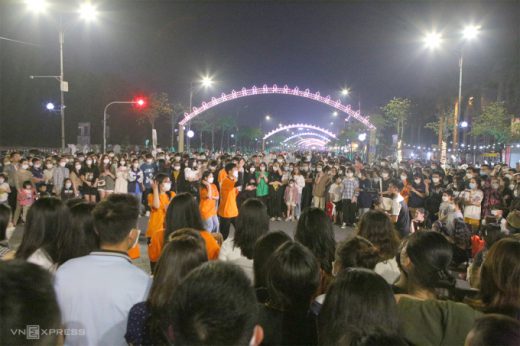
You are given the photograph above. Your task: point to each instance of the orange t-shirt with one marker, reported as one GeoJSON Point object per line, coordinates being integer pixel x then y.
{"type": "Point", "coordinates": [134, 252]}
{"type": "Point", "coordinates": [157, 244]}
{"type": "Point", "coordinates": [221, 175]}
{"type": "Point", "coordinates": [208, 205]}
{"type": "Point", "coordinates": [157, 216]}
{"type": "Point", "coordinates": [228, 202]}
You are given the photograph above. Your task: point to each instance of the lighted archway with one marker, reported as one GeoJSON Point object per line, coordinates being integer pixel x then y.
{"type": "Point", "coordinates": [299, 126]}
{"type": "Point", "coordinates": [266, 90]}
{"type": "Point", "coordinates": [309, 142]}
{"type": "Point", "coordinates": [306, 134]}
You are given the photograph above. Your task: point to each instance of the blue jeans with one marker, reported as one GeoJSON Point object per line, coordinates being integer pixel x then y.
{"type": "Point", "coordinates": [211, 224]}
{"type": "Point", "coordinates": [139, 196]}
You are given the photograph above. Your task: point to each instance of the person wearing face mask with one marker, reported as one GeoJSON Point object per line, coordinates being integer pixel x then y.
{"type": "Point", "coordinates": [106, 181]}
{"type": "Point", "coordinates": [506, 193]}
{"type": "Point", "coordinates": [262, 183]}
{"type": "Point", "coordinates": [228, 209]}
{"type": "Point", "coordinates": [308, 177]}
{"type": "Point", "coordinates": [149, 170]}
{"type": "Point", "coordinates": [5, 189]}
{"type": "Point", "coordinates": [74, 176]}
{"type": "Point", "coordinates": [209, 196]}
{"type": "Point", "coordinates": [22, 175]}
{"type": "Point", "coordinates": [418, 192]}
{"type": "Point", "coordinates": [158, 201]}
{"type": "Point", "coordinates": [319, 190]}
{"type": "Point", "coordinates": [59, 175]}
{"type": "Point", "coordinates": [491, 198]}
{"type": "Point", "coordinates": [37, 172]}
{"type": "Point", "coordinates": [122, 172]}
{"type": "Point", "coordinates": [291, 198]}
{"type": "Point", "coordinates": [89, 175]}
{"type": "Point", "coordinates": [434, 199]}
{"type": "Point", "coordinates": [473, 204]}
{"type": "Point", "coordinates": [386, 178]}
{"type": "Point", "coordinates": [276, 193]}
{"type": "Point", "coordinates": [67, 191]}
{"type": "Point", "coordinates": [349, 198]}
{"type": "Point", "coordinates": [135, 183]}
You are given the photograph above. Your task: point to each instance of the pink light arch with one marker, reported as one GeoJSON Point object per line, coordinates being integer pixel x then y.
{"type": "Point", "coordinates": [267, 90]}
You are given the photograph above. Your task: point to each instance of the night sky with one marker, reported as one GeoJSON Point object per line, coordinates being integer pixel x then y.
{"type": "Point", "coordinates": [374, 48]}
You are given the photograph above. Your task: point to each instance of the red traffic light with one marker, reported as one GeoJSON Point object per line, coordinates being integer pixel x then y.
{"type": "Point", "coordinates": [139, 102]}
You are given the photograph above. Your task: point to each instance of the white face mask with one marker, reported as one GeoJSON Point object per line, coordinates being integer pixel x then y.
{"type": "Point", "coordinates": [2, 180]}
{"type": "Point", "coordinates": [417, 181]}
{"type": "Point", "coordinates": [235, 174]}
{"type": "Point", "coordinates": [123, 163]}
{"type": "Point", "coordinates": [63, 164]}
{"type": "Point", "coordinates": [262, 168]}
{"type": "Point", "coordinates": [472, 186]}
{"type": "Point", "coordinates": [384, 175]}
{"type": "Point", "coordinates": [319, 169]}
{"type": "Point", "coordinates": [149, 161]}
{"type": "Point", "coordinates": [37, 165]}
{"type": "Point", "coordinates": [512, 187]}
{"type": "Point", "coordinates": [210, 180]}
{"type": "Point", "coordinates": [495, 186]}
{"type": "Point", "coordinates": [445, 198]}
{"type": "Point", "coordinates": [291, 184]}
{"type": "Point", "coordinates": [49, 166]}
{"type": "Point", "coordinates": [135, 165]}
{"type": "Point", "coordinates": [89, 162]}
{"type": "Point", "coordinates": [176, 168]}
{"type": "Point", "coordinates": [350, 174]}
{"type": "Point", "coordinates": [68, 185]}
{"type": "Point", "coordinates": [78, 167]}
{"type": "Point", "coordinates": [252, 169]}
{"type": "Point", "coordinates": [435, 180]}
{"type": "Point", "coordinates": [403, 177]}
{"type": "Point", "coordinates": [25, 166]}
{"type": "Point", "coordinates": [167, 186]}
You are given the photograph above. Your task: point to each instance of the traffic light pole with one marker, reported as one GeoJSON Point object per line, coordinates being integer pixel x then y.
{"type": "Point", "coordinates": [105, 120]}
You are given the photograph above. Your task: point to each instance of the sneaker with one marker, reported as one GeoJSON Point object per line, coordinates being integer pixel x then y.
{"type": "Point", "coordinates": [147, 214]}
{"type": "Point", "coordinates": [288, 219]}
{"type": "Point", "coordinates": [273, 219]}
{"type": "Point", "coordinates": [278, 219]}
{"type": "Point", "coordinates": [344, 225]}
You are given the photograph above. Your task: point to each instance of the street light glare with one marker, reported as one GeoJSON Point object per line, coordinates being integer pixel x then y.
{"type": "Point", "coordinates": [49, 106]}
{"type": "Point", "coordinates": [268, 117]}
{"type": "Point", "coordinates": [88, 11]}
{"type": "Point", "coordinates": [432, 40]}
{"type": "Point", "coordinates": [207, 82]}
{"type": "Point", "coordinates": [345, 92]}
{"type": "Point", "coordinates": [335, 114]}
{"type": "Point", "coordinates": [36, 6]}
{"type": "Point", "coordinates": [470, 32]}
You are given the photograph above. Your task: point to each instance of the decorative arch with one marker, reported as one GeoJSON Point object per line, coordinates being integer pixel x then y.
{"type": "Point", "coordinates": [307, 142]}
{"type": "Point", "coordinates": [306, 134]}
{"type": "Point", "coordinates": [299, 126]}
{"type": "Point", "coordinates": [266, 90]}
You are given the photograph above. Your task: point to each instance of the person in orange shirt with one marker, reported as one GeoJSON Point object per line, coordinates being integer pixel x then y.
{"type": "Point", "coordinates": [228, 210]}
{"type": "Point", "coordinates": [183, 212]}
{"type": "Point", "coordinates": [158, 201]}
{"type": "Point", "coordinates": [208, 203]}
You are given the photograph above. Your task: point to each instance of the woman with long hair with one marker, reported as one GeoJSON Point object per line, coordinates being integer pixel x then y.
{"type": "Point", "coordinates": [148, 321]}
{"type": "Point", "coordinates": [314, 231]}
{"type": "Point", "coordinates": [358, 303]}
{"type": "Point", "coordinates": [252, 222]}
{"type": "Point", "coordinates": [377, 227]}
{"type": "Point", "coordinates": [47, 218]}
{"type": "Point", "coordinates": [80, 238]}
{"type": "Point", "coordinates": [426, 319]}
{"type": "Point", "coordinates": [292, 280]}
{"type": "Point", "coordinates": [500, 278]}
{"type": "Point", "coordinates": [183, 212]}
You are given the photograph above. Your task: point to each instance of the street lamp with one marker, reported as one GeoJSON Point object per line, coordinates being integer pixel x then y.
{"type": "Point", "coordinates": [206, 82]}
{"type": "Point", "coordinates": [267, 117]}
{"type": "Point", "coordinates": [464, 124]}
{"type": "Point", "coordinates": [432, 41]}
{"type": "Point", "coordinates": [345, 91]}
{"type": "Point", "coordinates": [87, 11]}
{"type": "Point", "coordinates": [334, 114]}
{"type": "Point", "coordinates": [50, 106]}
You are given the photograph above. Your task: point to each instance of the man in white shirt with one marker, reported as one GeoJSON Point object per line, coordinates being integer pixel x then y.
{"type": "Point", "coordinates": [95, 292]}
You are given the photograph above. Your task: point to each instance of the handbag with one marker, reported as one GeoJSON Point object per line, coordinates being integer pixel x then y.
{"type": "Point", "coordinates": [101, 183]}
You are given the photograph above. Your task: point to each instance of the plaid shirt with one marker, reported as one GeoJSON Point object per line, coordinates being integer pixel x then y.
{"type": "Point", "coordinates": [349, 188]}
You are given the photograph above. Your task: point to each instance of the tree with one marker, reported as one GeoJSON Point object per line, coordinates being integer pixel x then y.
{"type": "Point", "coordinates": [447, 130]}
{"type": "Point", "coordinates": [158, 106]}
{"type": "Point", "coordinates": [225, 124]}
{"type": "Point", "coordinates": [397, 112]}
{"type": "Point", "coordinates": [495, 122]}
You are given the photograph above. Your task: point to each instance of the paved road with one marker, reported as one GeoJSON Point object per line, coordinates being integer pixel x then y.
{"type": "Point", "coordinates": [287, 227]}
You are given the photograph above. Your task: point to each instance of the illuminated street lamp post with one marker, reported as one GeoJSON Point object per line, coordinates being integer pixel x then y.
{"type": "Point", "coordinates": [87, 12]}
{"type": "Point", "coordinates": [139, 102]}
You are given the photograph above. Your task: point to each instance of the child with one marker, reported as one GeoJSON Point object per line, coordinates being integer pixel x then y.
{"type": "Point", "coordinates": [26, 198]}
{"type": "Point", "coordinates": [291, 197]}
{"type": "Point", "coordinates": [5, 190]}
{"type": "Point", "coordinates": [42, 191]}
{"type": "Point", "coordinates": [335, 194]}
{"type": "Point", "coordinates": [67, 191]}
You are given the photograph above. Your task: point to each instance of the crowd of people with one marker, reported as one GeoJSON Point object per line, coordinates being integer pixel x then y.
{"type": "Point", "coordinates": [434, 258]}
